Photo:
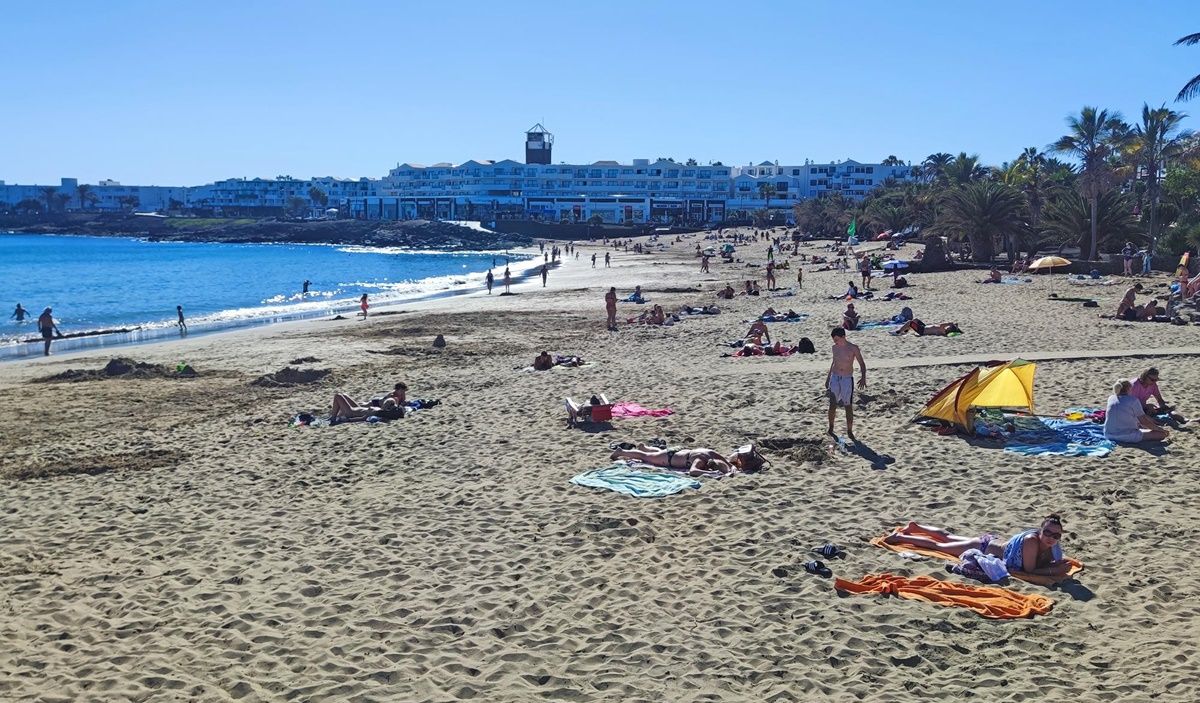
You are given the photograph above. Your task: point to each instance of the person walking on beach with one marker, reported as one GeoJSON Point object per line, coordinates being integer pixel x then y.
{"type": "Point", "coordinates": [593, 262]}
{"type": "Point", "coordinates": [864, 268]}
{"type": "Point", "coordinates": [48, 329]}
{"type": "Point", "coordinates": [607, 259]}
{"type": "Point", "coordinates": [703, 263]}
{"type": "Point", "coordinates": [307, 283]}
{"type": "Point", "coordinates": [610, 306]}
{"type": "Point", "coordinates": [1127, 256]}
{"type": "Point", "coordinates": [362, 303]}
{"type": "Point", "coordinates": [770, 274]}
{"type": "Point", "coordinates": [21, 312]}
{"type": "Point", "coordinates": [545, 272]}
{"type": "Point", "coordinates": [181, 324]}
{"type": "Point", "coordinates": [507, 280]}
{"type": "Point", "coordinates": [839, 382]}
{"type": "Point", "coordinates": [490, 280]}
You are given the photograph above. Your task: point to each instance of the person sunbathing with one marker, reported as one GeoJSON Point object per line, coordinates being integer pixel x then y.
{"type": "Point", "coordinates": [757, 332]}
{"type": "Point", "coordinates": [568, 360]}
{"type": "Point", "coordinates": [1019, 266]}
{"type": "Point", "coordinates": [850, 317]}
{"type": "Point", "coordinates": [1033, 555]}
{"type": "Point", "coordinates": [851, 291]}
{"type": "Point", "coordinates": [923, 330]}
{"type": "Point", "coordinates": [727, 293]}
{"type": "Point", "coordinates": [346, 408]}
{"type": "Point", "coordinates": [696, 461]}
{"type": "Point", "coordinates": [1149, 311]}
{"type": "Point", "coordinates": [994, 276]}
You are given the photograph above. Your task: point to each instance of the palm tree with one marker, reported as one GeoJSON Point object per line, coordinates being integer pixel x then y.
{"type": "Point", "coordinates": [934, 165]}
{"type": "Point", "coordinates": [1156, 140]}
{"type": "Point", "coordinates": [1095, 136]}
{"type": "Point", "coordinates": [766, 191]}
{"type": "Point", "coordinates": [891, 161]}
{"type": "Point", "coordinates": [963, 169]}
{"type": "Point", "coordinates": [84, 191]}
{"type": "Point", "coordinates": [982, 212]}
{"type": "Point", "coordinates": [1071, 218]}
{"type": "Point", "coordinates": [1192, 88]}
{"type": "Point", "coordinates": [48, 195]}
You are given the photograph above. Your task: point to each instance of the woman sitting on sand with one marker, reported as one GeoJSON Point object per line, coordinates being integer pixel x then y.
{"type": "Point", "coordinates": [850, 317]}
{"type": "Point", "coordinates": [726, 293]}
{"type": "Point", "coordinates": [923, 330]}
{"type": "Point", "coordinates": [757, 332]}
{"type": "Point", "coordinates": [994, 276]}
{"type": "Point", "coordinates": [1125, 420]}
{"type": "Point", "coordinates": [1033, 553]}
{"type": "Point", "coordinates": [543, 362]}
{"type": "Point", "coordinates": [393, 404]}
{"type": "Point", "coordinates": [696, 461]}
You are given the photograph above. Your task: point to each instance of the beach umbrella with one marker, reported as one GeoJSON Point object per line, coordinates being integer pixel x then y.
{"type": "Point", "coordinates": [894, 264]}
{"type": "Point", "coordinates": [1049, 262]}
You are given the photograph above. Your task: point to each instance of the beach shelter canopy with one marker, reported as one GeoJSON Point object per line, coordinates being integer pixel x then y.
{"type": "Point", "coordinates": [1003, 385]}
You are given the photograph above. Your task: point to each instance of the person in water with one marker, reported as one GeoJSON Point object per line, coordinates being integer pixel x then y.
{"type": "Point", "coordinates": [1034, 555]}
{"type": "Point", "coordinates": [48, 329]}
{"type": "Point", "coordinates": [20, 313]}
{"type": "Point", "coordinates": [181, 323]}
{"type": "Point", "coordinates": [307, 283]}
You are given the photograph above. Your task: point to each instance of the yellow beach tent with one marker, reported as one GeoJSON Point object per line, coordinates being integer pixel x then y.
{"type": "Point", "coordinates": [1002, 385]}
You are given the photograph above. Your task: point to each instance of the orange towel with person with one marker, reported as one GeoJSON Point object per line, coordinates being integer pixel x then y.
{"type": "Point", "coordinates": [1076, 565]}
{"type": "Point", "coordinates": [989, 601]}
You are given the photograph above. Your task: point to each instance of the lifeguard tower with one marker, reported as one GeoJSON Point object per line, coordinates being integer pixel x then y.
{"type": "Point", "coordinates": [538, 143]}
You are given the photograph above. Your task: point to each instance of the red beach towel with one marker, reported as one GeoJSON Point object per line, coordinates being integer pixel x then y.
{"type": "Point", "coordinates": [635, 410]}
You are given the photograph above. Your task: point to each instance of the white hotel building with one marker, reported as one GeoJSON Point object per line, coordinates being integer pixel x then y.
{"type": "Point", "coordinates": [636, 192]}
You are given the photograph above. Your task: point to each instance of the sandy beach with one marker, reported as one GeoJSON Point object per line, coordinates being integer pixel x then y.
{"type": "Point", "coordinates": [175, 539]}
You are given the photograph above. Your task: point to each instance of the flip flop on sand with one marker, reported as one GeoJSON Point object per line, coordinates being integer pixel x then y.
{"type": "Point", "coordinates": [829, 551]}
{"type": "Point", "coordinates": [622, 445]}
{"type": "Point", "coordinates": [818, 568]}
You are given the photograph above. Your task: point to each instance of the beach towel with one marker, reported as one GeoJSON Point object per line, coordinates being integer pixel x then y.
{"type": "Point", "coordinates": [1090, 281]}
{"type": "Point", "coordinates": [798, 317]}
{"type": "Point", "coordinates": [1049, 436]}
{"type": "Point", "coordinates": [624, 479]}
{"type": "Point", "coordinates": [636, 410]}
{"type": "Point", "coordinates": [1076, 566]}
{"type": "Point", "coordinates": [991, 602]}
{"type": "Point", "coordinates": [877, 325]}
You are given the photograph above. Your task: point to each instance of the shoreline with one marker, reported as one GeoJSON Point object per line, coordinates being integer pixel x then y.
{"type": "Point", "coordinates": [166, 332]}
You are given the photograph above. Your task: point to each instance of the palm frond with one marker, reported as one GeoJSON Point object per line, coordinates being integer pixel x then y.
{"type": "Point", "coordinates": [1188, 40]}
{"type": "Point", "coordinates": [1189, 91]}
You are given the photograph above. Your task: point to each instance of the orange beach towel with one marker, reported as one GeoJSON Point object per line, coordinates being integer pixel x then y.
{"type": "Point", "coordinates": [1076, 566]}
{"type": "Point", "coordinates": [989, 601]}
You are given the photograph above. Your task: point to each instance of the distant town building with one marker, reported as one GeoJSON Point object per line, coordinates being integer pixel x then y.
{"type": "Point", "coordinates": [608, 191]}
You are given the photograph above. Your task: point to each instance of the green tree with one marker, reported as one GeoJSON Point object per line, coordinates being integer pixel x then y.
{"type": "Point", "coordinates": [983, 213]}
{"type": "Point", "coordinates": [296, 205]}
{"type": "Point", "coordinates": [29, 206]}
{"type": "Point", "coordinates": [318, 196]}
{"type": "Point", "coordinates": [933, 168]}
{"type": "Point", "coordinates": [1156, 140]}
{"type": "Point", "coordinates": [48, 194]}
{"type": "Point", "coordinates": [963, 169]}
{"type": "Point", "coordinates": [129, 203]}
{"type": "Point", "coordinates": [891, 160]}
{"type": "Point", "coordinates": [766, 191]}
{"type": "Point", "coordinates": [61, 200]}
{"type": "Point", "coordinates": [1192, 88]}
{"type": "Point", "coordinates": [1072, 220]}
{"type": "Point", "coordinates": [86, 196]}
{"type": "Point", "coordinates": [1094, 137]}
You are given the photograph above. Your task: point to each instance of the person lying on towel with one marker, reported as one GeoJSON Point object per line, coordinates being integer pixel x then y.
{"type": "Point", "coordinates": [696, 461]}
{"type": "Point", "coordinates": [1035, 552]}
{"type": "Point", "coordinates": [923, 330]}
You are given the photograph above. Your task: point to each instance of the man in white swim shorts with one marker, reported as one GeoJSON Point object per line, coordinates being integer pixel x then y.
{"type": "Point", "coordinates": [839, 383]}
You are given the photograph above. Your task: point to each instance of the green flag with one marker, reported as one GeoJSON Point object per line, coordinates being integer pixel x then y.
{"type": "Point", "coordinates": [852, 228]}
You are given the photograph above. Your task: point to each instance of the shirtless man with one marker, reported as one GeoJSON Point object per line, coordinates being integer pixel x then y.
{"type": "Point", "coordinates": [923, 330]}
{"type": "Point", "coordinates": [1128, 302]}
{"type": "Point", "coordinates": [695, 461]}
{"type": "Point", "coordinates": [839, 382]}
{"type": "Point", "coordinates": [758, 332]}
{"type": "Point", "coordinates": [610, 305]}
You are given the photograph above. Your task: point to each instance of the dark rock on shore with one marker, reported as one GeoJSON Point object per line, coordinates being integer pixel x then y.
{"type": "Point", "coordinates": [418, 234]}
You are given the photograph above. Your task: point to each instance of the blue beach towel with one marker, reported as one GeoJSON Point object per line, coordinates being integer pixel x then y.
{"type": "Point", "coordinates": [1014, 279]}
{"type": "Point", "coordinates": [622, 478]}
{"type": "Point", "coordinates": [878, 325]}
{"type": "Point", "coordinates": [1046, 436]}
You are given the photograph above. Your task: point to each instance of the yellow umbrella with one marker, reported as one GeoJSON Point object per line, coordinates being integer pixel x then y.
{"type": "Point", "coordinates": [1049, 262]}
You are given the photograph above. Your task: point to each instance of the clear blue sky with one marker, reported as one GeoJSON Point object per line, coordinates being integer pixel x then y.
{"type": "Point", "coordinates": [182, 93]}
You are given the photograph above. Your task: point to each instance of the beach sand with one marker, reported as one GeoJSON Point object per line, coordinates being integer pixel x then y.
{"type": "Point", "coordinates": [175, 539]}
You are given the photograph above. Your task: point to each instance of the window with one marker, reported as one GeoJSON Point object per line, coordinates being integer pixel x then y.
{"type": "Point", "coordinates": [689, 173]}
{"type": "Point", "coordinates": [610, 173]}
{"type": "Point", "coordinates": [704, 174]}
{"type": "Point", "coordinates": [594, 173]}
{"type": "Point", "coordinates": [673, 173]}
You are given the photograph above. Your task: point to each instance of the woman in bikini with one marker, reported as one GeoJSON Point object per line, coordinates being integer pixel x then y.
{"type": "Point", "coordinates": [923, 330]}
{"type": "Point", "coordinates": [1034, 555]}
{"type": "Point", "coordinates": [694, 461]}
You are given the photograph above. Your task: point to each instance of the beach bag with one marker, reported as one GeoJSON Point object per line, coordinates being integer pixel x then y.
{"type": "Point", "coordinates": [601, 413]}
{"type": "Point", "coordinates": [805, 346]}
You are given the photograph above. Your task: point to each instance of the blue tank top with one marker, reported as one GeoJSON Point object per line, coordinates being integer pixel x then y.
{"type": "Point", "coordinates": [1014, 559]}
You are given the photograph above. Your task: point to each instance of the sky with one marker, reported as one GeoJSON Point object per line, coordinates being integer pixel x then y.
{"type": "Point", "coordinates": [184, 93]}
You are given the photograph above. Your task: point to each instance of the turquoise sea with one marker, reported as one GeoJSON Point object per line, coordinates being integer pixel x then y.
{"type": "Point", "coordinates": [97, 283]}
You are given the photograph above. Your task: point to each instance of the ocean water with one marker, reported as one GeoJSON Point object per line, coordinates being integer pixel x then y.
{"type": "Point", "coordinates": [97, 283]}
